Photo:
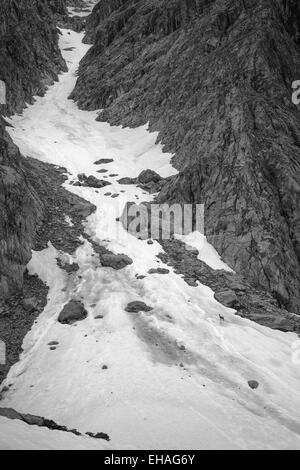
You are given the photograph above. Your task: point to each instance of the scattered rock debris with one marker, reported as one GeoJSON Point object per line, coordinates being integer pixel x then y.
{"type": "Point", "coordinates": [115, 261]}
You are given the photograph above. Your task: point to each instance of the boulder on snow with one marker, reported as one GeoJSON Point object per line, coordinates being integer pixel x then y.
{"type": "Point", "coordinates": [253, 384]}
{"type": "Point", "coordinates": [72, 312]}
{"type": "Point", "coordinates": [103, 161]}
{"type": "Point", "coordinates": [137, 306]}
{"type": "Point", "coordinates": [159, 271]}
{"type": "Point", "coordinates": [92, 181]}
{"type": "Point", "coordinates": [99, 435]}
{"type": "Point", "coordinates": [149, 176]}
{"type": "Point", "coordinates": [115, 261]}
{"type": "Point", "coordinates": [127, 180]}
{"type": "Point", "coordinates": [145, 177]}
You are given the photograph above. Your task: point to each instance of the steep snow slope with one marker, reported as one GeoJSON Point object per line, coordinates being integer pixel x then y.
{"type": "Point", "coordinates": [177, 377]}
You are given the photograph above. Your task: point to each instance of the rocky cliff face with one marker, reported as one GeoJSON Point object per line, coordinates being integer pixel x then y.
{"type": "Point", "coordinates": [58, 7]}
{"type": "Point", "coordinates": [20, 214]}
{"type": "Point", "coordinates": [29, 56]}
{"type": "Point", "coordinates": [29, 61]}
{"type": "Point", "coordinates": [214, 78]}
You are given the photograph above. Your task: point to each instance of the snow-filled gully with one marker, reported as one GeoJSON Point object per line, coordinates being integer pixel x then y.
{"type": "Point", "coordinates": [177, 377]}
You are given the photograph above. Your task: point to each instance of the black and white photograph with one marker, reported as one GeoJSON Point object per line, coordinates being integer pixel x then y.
{"type": "Point", "coordinates": [149, 227]}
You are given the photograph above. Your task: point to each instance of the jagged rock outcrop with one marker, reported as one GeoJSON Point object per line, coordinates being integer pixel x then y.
{"type": "Point", "coordinates": [20, 215]}
{"type": "Point", "coordinates": [214, 78]}
{"type": "Point", "coordinates": [29, 61]}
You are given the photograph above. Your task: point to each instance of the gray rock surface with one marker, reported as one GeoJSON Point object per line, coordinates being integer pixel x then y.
{"type": "Point", "coordinates": [33, 420]}
{"type": "Point", "coordinates": [149, 176]}
{"type": "Point", "coordinates": [30, 60]}
{"type": "Point", "coordinates": [253, 384]}
{"type": "Point", "coordinates": [21, 212]}
{"type": "Point", "coordinates": [30, 304]}
{"type": "Point", "coordinates": [214, 78]}
{"type": "Point", "coordinates": [227, 298]}
{"type": "Point", "coordinates": [116, 262]}
{"type": "Point", "coordinates": [137, 306]}
{"type": "Point", "coordinates": [103, 161]}
{"type": "Point", "coordinates": [159, 271]}
{"type": "Point", "coordinates": [72, 312]}
{"type": "Point", "coordinates": [92, 181]}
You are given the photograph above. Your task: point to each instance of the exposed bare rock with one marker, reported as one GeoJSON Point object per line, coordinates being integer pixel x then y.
{"type": "Point", "coordinates": [58, 7]}
{"type": "Point", "coordinates": [30, 304]}
{"type": "Point", "coordinates": [127, 180]}
{"type": "Point", "coordinates": [149, 176]}
{"type": "Point", "coordinates": [115, 261]}
{"type": "Point", "coordinates": [20, 215]}
{"type": "Point", "coordinates": [137, 306]}
{"type": "Point", "coordinates": [92, 181]}
{"type": "Point", "coordinates": [159, 271]}
{"type": "Point", "coordinates": [30, 59]}
{"type": "Point", "coordinates": [103, 161]}
{"type": "Point", "coordinates": [40, 421]}
{"type": "Point", "coordinates": [72, 312]}
{"type": "Point", "coordinates": [82, 209]}
{"type": "Point", "coordinates": [253, 384]}
{"type": "Point", "coordinates": [214, 78]}
{"type": "Point", "coordinates": [227, 298]}
{"type": "Point", "coordinates": [231, 289]}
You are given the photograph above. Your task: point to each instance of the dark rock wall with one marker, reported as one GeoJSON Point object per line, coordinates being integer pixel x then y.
{"type": "Point", "coordinates": [214, 77]}
{"type": "Point", "coordinates": [29, 55]}
{"type": "Point", "coordinates": [20, 213]}
{"type": "Point", "coordinates": [29, 61]}
{"type": "Point", "coordinates": [58, 7]}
